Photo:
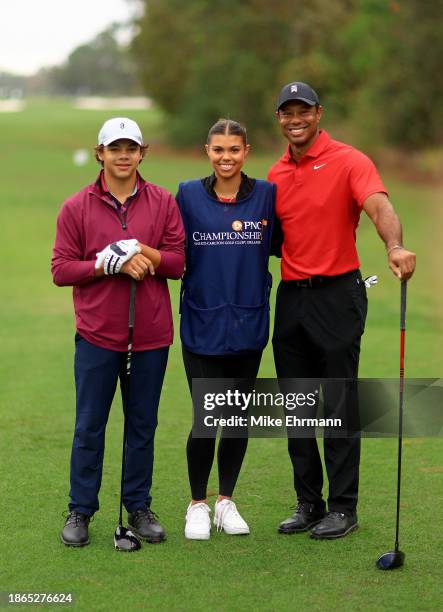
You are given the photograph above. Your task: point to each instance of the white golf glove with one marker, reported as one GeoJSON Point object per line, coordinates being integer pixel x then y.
{"type": "Point", "coordinates": [116, 254]}
{"type": "Point", "coordinates": [370, 281]}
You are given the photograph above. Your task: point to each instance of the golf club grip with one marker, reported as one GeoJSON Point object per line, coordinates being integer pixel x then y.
{"type": "Point", "coordinates": [404, 285]}
{"type": "Point", "coordinates": [132, 303]}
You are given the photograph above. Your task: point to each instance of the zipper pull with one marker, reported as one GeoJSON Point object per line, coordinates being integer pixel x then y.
{"type": "Point", "coordinates": [124, 215]}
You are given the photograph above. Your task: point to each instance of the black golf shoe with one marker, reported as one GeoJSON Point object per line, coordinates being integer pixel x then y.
{"type": "Point", "coordinates": [335, 525]}
{"type": "Point", "coordinates": [75, 531]}
{"type": "Point", "coordinates": [305, 516]}
{"type": "Point", "coordinates": [145, 525]}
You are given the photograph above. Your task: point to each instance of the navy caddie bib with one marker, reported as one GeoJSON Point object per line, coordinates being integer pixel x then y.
{"type": "Point", "coordinates": [226, 286]}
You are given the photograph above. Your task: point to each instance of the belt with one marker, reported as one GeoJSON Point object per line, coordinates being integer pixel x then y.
{"type": "Point", "coordinates": [318, 281]}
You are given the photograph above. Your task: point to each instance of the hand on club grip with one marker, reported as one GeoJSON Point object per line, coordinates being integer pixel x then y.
{"type": "Point", "coordinates": [116, 254]}
{"type": "Point", "coordinates": [138, 267]}
{"type": "Point", "coordinates": [402, 263]}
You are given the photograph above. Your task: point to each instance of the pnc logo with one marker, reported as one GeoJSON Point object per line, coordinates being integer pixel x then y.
{"type": "Point", "coordinates": [237, 226]}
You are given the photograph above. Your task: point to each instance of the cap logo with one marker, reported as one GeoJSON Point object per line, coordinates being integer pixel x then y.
{"type": "Point", "coordinates": [294, 88]}
{"type": "Point", "coordinates": [122, 125]}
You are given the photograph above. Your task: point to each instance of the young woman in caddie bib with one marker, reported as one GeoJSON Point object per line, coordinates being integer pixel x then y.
{"type": "Point", "coordinates": [228, 220]}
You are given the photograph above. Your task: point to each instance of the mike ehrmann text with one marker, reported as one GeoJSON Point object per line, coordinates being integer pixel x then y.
{"type": "Point", "coordinates": [267, 421]}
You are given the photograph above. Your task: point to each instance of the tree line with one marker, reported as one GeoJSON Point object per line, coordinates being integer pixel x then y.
{"type": "Point", "coordinates": [375, 63]}
{"type": "Point", "coordinates": [102, 66]}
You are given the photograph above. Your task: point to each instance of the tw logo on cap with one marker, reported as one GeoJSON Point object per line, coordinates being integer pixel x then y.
{"type": "Point", "coordinates": [294, 88]}
{"type": "Point", "coordinates": [122, 126]}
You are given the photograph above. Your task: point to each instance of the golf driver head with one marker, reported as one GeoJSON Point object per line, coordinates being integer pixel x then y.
{"type": "Point", "coordinates": [125, 540]}
{"type": "Point", "coordinates": [391, 560]}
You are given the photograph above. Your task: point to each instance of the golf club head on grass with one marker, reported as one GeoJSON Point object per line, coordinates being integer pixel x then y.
{"type": "Point", "coordinates": [125, 540]}
{"type": "Point", "coordinates": [391, 560]}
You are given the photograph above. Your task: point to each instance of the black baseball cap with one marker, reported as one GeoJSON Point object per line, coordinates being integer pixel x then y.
{"type": "Point", "coordinates": [297, 91]}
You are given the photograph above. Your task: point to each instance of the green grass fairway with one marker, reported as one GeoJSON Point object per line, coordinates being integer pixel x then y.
{"type": "Point", "coordinates": [264, 571]}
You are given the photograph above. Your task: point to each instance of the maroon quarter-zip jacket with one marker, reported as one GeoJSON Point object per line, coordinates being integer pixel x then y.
{"type": "Point", "coordinates": [88, 221]}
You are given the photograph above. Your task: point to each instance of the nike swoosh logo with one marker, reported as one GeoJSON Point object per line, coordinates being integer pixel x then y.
{"type": "Point", "coordinates": [318, 167]}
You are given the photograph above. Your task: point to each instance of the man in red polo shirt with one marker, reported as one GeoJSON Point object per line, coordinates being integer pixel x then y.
{"type": "Point", "coordinates": [322, 187]}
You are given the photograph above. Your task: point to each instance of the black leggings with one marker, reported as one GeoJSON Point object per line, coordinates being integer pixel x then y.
{"type": "Point", "coordinates": [231, 451]}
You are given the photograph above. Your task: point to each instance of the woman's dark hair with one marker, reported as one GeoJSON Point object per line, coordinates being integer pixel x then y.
{"type": "Point", "coordinates": [228, 127]}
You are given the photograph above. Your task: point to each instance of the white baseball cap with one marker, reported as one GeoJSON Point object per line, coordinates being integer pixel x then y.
{"type": "Point", "coordinates": [119, 127]}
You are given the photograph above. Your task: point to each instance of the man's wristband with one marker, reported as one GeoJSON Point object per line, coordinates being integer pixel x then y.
{"type": "Point", "coordinates": [396, 246]}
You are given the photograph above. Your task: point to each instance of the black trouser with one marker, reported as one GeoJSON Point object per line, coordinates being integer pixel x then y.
{"type": "Point", "coordinates": [317, 334]}
{"type": "Point", "coordinates": [231, 451]}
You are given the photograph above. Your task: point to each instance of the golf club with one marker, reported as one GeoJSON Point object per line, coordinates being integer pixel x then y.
{"type": "Point", "coordinates": [124, 539]}
{"type": "Point", "coordinates": [396, 558]}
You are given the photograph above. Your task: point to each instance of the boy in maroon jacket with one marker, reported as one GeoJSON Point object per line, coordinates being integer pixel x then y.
{"type": "Point", "coordinates": [120, 207]}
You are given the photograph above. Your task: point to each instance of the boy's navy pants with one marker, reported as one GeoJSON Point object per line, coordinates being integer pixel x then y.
{"type": "Point", "coordinates": [97, 371]}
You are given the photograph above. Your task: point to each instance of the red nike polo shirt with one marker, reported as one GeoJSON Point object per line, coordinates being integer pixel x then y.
{"type": "Point", "coordinates": [319, 201]}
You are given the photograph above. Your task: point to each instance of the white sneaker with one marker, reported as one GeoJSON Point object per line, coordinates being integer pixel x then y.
{"type": "Point", "coordinates": [227, 518]}
{"type": "Point", "coordinates": [198, 522]}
